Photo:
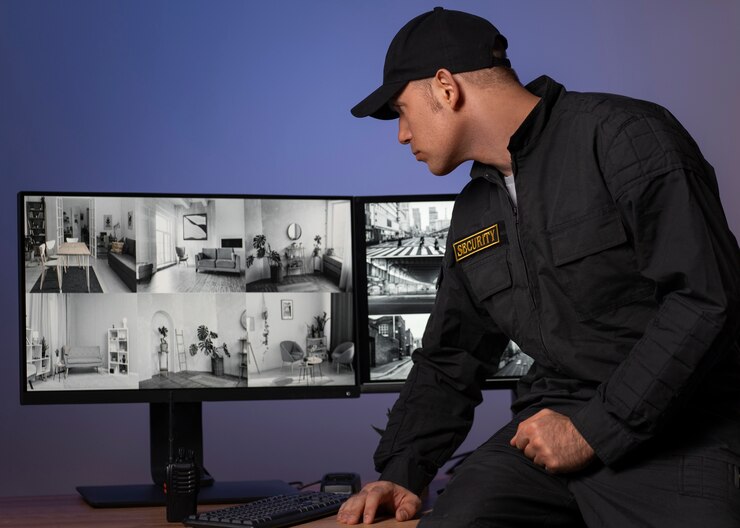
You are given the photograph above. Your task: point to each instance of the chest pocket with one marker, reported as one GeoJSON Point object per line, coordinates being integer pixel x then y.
{"type": "Point", "coordinates": [487, 274]}
{"type": "Point", "coordinates": [595, 265]}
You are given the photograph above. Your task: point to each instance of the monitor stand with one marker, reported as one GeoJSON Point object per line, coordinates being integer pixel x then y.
{"type": "Point", "coordinates": [172, 426]}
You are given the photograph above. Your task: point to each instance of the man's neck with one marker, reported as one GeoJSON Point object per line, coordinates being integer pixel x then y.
{"type": "Point", "coordinates": [499, 115]}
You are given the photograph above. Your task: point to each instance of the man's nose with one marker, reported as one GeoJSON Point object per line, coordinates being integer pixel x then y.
{"type": "Point", "coordinates": [404, 134]}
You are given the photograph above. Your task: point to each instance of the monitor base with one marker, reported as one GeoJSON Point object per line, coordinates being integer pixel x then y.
{"type": "Point", "coordinates": [152, 495]}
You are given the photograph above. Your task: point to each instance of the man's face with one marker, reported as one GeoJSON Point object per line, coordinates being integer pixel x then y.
{"type": "Point", "coordinates": [427, 126]}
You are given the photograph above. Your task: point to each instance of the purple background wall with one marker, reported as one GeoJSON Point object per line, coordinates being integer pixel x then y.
{"type": "Point", "coordinates": [248, 97]}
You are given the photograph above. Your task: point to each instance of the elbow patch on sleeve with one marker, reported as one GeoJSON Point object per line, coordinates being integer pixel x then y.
{"type": "Point", "coordinates": [670, 353]}
{"type": "Point", "coordinates": [631, 408]}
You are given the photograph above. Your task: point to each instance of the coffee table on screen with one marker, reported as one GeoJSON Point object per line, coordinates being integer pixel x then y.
{"type": "Point", "coordinates": [307, 368]}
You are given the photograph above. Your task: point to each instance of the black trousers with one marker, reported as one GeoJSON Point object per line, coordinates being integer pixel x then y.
{"type": "Point", "coordinates": [497, 486]}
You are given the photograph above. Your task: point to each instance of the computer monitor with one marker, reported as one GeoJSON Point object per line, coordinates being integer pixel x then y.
{"type": "Point", "coordinates": [173, 300]}
{"type": "Point", "coordinates": [401, 242]}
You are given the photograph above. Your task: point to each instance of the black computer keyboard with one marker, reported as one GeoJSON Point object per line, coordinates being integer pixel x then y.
{"type": "Point", "coordinates": [272, 512]}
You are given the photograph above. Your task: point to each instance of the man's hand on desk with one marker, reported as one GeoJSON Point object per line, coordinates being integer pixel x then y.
{"type": "Point", "coordinates": [361, 508]}
{"type": "Point", "coordinates": [551, 440]}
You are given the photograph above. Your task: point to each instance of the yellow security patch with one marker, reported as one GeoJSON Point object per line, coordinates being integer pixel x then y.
{"type": "Point", "coordinates": [476, 242]}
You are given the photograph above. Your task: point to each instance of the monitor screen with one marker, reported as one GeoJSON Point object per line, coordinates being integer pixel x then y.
{"type": "Point", "coordinates": [401, 244]}
{"type": "Point", "coordinates": [148, 298]}
{"type": "Point", "coordinates": [154, 298]}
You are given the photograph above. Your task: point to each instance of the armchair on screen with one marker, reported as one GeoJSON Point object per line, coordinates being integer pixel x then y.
{"type": "Point", "coordinates": [291, 352]}
{"type": "Point", "coordinates": [182, 255]}
{"type": "Point", "coordinates": [46, 263]}
{"type": "Point", "coordinates": [343, 355]}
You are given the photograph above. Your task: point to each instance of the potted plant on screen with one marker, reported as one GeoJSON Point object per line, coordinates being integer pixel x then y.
{"type": "Point", "coordinates": [163, 348]}
{"type": "Point", "coordinates": [259, 242]}
{"type": "Point", "coordinates": [316, 255]}
{"type": "Point", "coordinates": [207, 342]}
{"type": "Point", "coordinates": [320, 324]}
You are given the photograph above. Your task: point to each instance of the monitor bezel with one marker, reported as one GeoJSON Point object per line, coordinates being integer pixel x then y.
{"type": "Point", "coordinates": [361, 296]}
{"type": "Point", "coordinates": [93, 396]}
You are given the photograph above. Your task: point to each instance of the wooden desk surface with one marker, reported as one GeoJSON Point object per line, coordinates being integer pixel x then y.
{"type": "Point", "coordinates": [71, 510]}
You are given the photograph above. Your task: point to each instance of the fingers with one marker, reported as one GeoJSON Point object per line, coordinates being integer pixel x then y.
{"type": "Point", "coordinates": [402, 515]}
{"type": "Point", "coordinates": [375, 497]}
{"type": "Point", "coordinates": [521, 438]}
{"type": "Point", "coordinates": [529, 428]}
{"type": "Point", "coordinates": [409, 506]}
{"type": "Point", "coordinates": [351, 510]}
{"type": "Point", "coordinates": [531, 451]}
{"type": "Point", "coordinates": [364, 506]}
{"type": "Point", "coordinates": [550, 441]}
{"type": "Point", "coordinates": [527, 438]}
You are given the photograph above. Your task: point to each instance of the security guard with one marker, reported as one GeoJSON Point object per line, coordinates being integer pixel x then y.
{"type": "Point", "coordinates": [591, 234]}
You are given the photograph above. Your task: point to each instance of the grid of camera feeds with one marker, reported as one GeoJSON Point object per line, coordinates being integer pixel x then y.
{"type": "Point", "coordinates": [132, 292]}
{"type": "Point", "coordinates": [404, 247]}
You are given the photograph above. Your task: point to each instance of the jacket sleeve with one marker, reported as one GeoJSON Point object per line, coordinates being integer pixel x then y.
{"type": "Point", "coordinates": [669, 203]}
{"type": "Point", "coordinates": [435, 409]}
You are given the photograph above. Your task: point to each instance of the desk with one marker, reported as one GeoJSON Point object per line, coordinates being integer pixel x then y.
{"type": "Point", "coordinates": [75, 249]}
{"type": "Point", "coordinates": [71, 510]}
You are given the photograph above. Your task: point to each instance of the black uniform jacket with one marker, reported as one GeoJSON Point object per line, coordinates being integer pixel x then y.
{"type": "Point", "coordinates": [616, 272]}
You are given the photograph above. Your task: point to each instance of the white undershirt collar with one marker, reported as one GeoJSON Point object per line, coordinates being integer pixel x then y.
{"type": "Point", "coordinates": [509, 181]}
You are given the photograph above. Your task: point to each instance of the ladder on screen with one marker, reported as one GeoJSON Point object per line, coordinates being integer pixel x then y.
{"type": "Point", "coordinates": [180, 344]}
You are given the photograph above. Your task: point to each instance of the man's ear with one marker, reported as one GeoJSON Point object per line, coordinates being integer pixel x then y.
{"type": "Point", "coordinates": [447, 88]}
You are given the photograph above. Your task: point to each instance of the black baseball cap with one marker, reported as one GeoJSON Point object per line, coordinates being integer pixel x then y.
{"type": "Point", "coordinates": [441, 38]}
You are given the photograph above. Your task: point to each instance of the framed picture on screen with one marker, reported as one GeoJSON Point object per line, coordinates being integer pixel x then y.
{"type": "Point", "coordinates": [195, 227]}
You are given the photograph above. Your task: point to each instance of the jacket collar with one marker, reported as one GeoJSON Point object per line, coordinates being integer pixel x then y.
{"type": "Point", "coordinates": [526, 136]}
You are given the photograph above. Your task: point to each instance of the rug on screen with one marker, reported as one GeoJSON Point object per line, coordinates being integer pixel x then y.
{"type": "Point", "coordinates": [212, 381]}
{"type": "Point", "coordinates": [73, 281]}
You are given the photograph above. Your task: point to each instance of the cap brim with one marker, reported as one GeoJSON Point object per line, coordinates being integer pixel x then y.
{"type": "Point", "coordinates": [376, 104]}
